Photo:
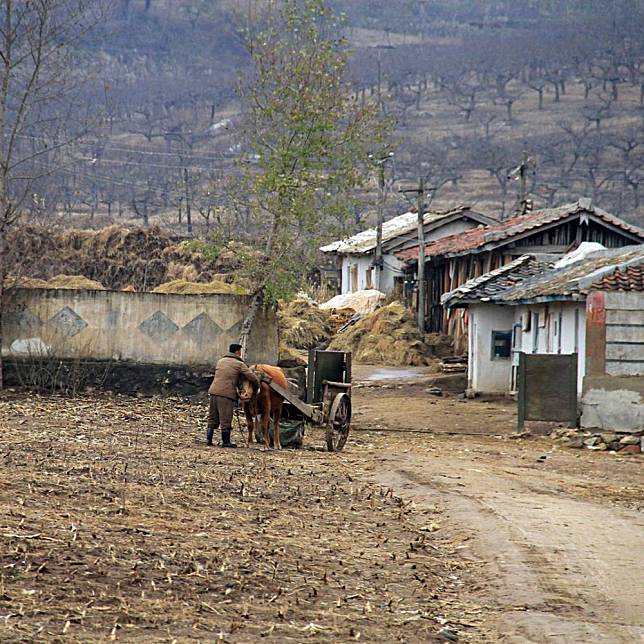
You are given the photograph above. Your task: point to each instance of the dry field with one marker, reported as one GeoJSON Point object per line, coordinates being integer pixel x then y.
{"type": "Point", "coordinates": [117, 523]}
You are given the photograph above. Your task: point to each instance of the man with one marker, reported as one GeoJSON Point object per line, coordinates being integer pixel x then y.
{"type": "Point", "coordinates": [223, 393]}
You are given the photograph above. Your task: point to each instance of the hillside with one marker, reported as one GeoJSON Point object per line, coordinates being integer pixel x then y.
{"type": "Point", "coordinates": [474, 88]}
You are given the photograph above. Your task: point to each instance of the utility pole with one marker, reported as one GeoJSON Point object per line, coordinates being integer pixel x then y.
{"type": "Point", "coordinates": [422, 291]}
{"type": "Point", "coordinates": [188, 210]}
{"type": "Point", "coordinates": [378, 261]}
{"type": "Point", "coordinates": [520, 173]}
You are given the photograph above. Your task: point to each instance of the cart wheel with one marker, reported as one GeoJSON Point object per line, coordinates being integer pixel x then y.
{"type": "Point", "coordinates": [337, 428]}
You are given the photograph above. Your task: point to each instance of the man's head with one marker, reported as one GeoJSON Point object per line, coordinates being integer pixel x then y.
{"type": "Point", "coordinates": [235, 348]}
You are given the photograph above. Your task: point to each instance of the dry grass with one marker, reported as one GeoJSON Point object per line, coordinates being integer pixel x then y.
{"type": "Point", "coordinates": [57, 282]}
{"type": "Point", "coordinates": [388, 336]}
{"type": "Point", "coordinates": [303, 325]}
{"type": "Point", "coordinates": [116, 522]}
{"type": "Point", "coordinates": [184, 287]}
{"type": "Point", "coordinates": [116, 257]}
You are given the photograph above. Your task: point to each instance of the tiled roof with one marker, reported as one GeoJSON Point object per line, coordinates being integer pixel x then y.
{"type": "Point", "coordinates": [478, 237]}
{"type": "Point", "coordinates": [365, 241]}
{"type": "Point", "coordinates": [486, 287]}
{"type": "Point", "coordinates": [616, 269]}
{"type": "Point", "coordinates": [629, 279]}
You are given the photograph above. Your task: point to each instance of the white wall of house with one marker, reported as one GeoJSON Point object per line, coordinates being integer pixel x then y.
{"type": "Point", "coordinates": [487, 373]}
{"type": "Point", "coordinates": [559, 327]}
{"type": "Point", "coordinates": [360, 265]}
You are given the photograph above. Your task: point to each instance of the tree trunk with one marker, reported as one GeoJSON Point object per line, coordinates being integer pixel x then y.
{"type": "Point", "coordinates": [247, 324]}
{"type": "Point", "coordinates": [2, 296]}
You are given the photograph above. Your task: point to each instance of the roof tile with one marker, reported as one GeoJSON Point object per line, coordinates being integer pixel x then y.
{"type": "Point", "coordinates": [472, 239]}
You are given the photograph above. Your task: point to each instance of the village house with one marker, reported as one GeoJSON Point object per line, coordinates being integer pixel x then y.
{"type": "Point", "coordinates": [590, 305]}
{"type": "Point", "coordinates": [453, 260]}
{"type": "Point", "coordinates": [351, 262]}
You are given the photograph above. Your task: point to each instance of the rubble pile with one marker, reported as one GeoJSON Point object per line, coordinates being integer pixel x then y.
{"type": "Point", "coordinates": [622, 442]}
{"type": "Point", "coordinates": [386, 336]}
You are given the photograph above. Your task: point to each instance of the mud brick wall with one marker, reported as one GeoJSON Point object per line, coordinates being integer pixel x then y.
{"type": "Point", "coordinates": [148, 328]}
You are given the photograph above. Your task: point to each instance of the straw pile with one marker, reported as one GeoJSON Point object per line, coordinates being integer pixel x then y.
{"type": "Point", "coordinates": [117, 257]}
{"type": "Point", "coordinates": [303, 325]}
{"type": "Point", "coordinates": [387, 336]}
{"type": "Point", "coordinates": [57, 282]}
{"type": "Point", "coordinates": [184, 287]}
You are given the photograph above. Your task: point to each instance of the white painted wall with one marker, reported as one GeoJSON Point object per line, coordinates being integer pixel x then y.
{"type": "Point", "coordinates": [392, 268]}
{"type": "Point", "coordinates": [486, 374]}
{"type": "Point", "coordinates": [560, 330]}
{"type": "Point", "coordinates": [556, 324]}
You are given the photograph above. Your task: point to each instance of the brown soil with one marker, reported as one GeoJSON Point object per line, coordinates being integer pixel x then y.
{"type": "Point", "coordinates": [117, 522]}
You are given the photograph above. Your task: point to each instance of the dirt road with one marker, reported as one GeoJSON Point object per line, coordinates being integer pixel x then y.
{"type": "Point", "coordinates": [559, 533]}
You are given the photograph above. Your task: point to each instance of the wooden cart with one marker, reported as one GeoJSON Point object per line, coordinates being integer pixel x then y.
{"type": "Point", "coordinates": [328, 395]}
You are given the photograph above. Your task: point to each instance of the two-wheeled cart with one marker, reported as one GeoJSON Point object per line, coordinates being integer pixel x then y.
{"type": "Point", "coordinates": [328, 395]}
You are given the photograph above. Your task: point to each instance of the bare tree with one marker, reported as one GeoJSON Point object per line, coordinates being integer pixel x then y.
{"type": "Point", "coordinates": [37, 121]}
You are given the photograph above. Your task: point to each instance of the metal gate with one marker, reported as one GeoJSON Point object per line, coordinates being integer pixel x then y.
{"type": "Point", "coordinates": [547, 388]}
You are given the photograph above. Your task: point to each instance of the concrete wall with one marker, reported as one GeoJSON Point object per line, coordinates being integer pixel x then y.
{"type": "Point", "coordinates": [486, 374]}
{"type": "Point", "coordinates": [613, 395]}
{"type": "Point", "coordinates": [139, 327]}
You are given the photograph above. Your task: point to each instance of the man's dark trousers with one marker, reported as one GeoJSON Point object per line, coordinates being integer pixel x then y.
{"type": "Point", "coordinates": [220, 415]}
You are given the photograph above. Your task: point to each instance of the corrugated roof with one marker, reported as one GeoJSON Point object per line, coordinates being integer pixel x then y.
{"type": "Point", "coordinates": [608, 268]}
{"type": "Point", "coordinates": [365, 241]}
{"type": "Point", "coordinates": [486, 287]}
{"type": "Point", "coordinates": [478, 237]}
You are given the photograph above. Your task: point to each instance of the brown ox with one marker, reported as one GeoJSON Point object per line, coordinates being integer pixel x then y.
{"type": "Point", "coordinates": [265, 402]}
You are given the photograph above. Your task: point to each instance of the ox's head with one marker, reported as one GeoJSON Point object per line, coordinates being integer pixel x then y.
{"type": "Point", "coordinates": [246, 390]}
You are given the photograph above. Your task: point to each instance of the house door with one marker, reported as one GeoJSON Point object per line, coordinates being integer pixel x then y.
{"type": "Point", "coordinates": [354, 278]}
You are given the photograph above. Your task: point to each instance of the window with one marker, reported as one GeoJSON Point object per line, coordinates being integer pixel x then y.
{"type": "Point", "coordinates": [370, 278]}
{"type": "Point", "coordinates": [501, 345]}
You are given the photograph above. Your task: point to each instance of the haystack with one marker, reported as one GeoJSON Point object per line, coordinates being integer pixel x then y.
{"type": "Point", "coordinates": [303, 325]}
{"type": "Point", "coordinates": [74, 282]}
{"type": "Point", "coordinates": [387, 336]}
{"type": "Point", "coordinates": [289, 357]}
{"type": "Point", "coordinates": [183, 287]}
{"type": "Point", "coordinates": [58, 282]}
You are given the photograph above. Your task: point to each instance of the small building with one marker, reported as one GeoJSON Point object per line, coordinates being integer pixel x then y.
{"type": "Point", "coordinates": [592, 307]}
{"type": "Point", "coordinates": [452, 261]}
{"type": "Point", "coordinates": [353, 258]}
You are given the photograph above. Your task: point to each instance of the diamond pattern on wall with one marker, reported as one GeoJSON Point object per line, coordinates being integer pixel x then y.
{"type": "Point", "coordinates": [68, 322]}
{"type": "Point", "coordinates": [202, 328]}
{"type": "Point", "coordinates": [235, 330]}
{"type": "Point", "coordinates": [29, 323]}
{"type": "Point", "coordinates": [158, 326]}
